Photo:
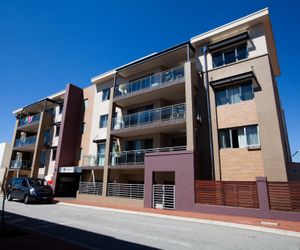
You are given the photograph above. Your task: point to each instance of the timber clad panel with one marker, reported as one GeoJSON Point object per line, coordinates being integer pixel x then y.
{"type": "Point", "coordinates": [227, 193]}
{"type": "Point", "coordinates": [284, 196]}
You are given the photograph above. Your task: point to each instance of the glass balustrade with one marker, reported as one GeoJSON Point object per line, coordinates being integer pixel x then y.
{"type": "Point", "coordinates": [22, 164]}
{"type": "Point", "coordinates": [137, 157]}
{"type": "Point", "coordinates": [168, 76]}
{"type": "Point", "coordinates": [29, 119]}
{"type": "Point", "coordinates": [173, 112]}
{"type": "Point", "coordinates": [25, 141]}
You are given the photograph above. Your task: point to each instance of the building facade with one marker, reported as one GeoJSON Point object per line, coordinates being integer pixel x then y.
{"type": "Point", "coordinates": [141, 134]}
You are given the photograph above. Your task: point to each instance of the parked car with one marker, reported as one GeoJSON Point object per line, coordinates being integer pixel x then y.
{"type": "Point", "coordinates": [29, 190]}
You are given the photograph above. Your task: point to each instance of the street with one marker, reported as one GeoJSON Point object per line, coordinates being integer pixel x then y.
{"type": "Point", "coordinates": [104, 229]}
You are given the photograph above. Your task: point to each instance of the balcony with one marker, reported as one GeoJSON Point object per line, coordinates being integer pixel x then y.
{"type": "Point", "coordinates": [150, 120]}
{"type": "Point", "coordinates": [25, 144]}
{"type": "Point", "coordinates": [29, 123]}
{"type": "Point", "coordinates": [93, 160]}
{"type": "Point", "coordinates": [136, 158]}
{"type": "Point", "coordinates": [20, 164]}
{"type": "Point", "coordinates": [149, 83]}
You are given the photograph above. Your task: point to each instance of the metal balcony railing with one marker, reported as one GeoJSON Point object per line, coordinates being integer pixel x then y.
{"type": "Point", "coordinates": [137, 157]}
{"type": "Point", "coordinates": [173, 112]}
{"type": "Point", "coordinates": [93, 160]}
{"type": "Point", "coordinates": [94, 188]}
{"type": "Point", "coordinates": [25, 141]}
{"type": "Point", "coordinates": [123, 190]}
{"type": "Point", "coordinates": [29, 119]}
{"type": "Point", "coordinates": [168, 76]}
{"type": "Point", "coordinates": [20, 164]}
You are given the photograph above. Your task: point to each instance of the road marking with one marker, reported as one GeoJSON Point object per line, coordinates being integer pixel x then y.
{"type": "Point", "coordinates": [200, 221]}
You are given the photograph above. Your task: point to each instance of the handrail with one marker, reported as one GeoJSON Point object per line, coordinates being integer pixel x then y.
{"type": "Point", "coordinates": [94, 188]}
{"type": "Point", "coordinates": [29, 119]}
{"type": "Point", "coordinates": [173, 74]}
{"type": "Point", "coordinates": [93, 160]}
{"type": "Point", "coordinates": [25, 141]}
{"type": "Point", "coordinates": [22, 164]}
{"type": "Point", "coordinates": [125, 190]}
{"type": "Point", "coordinates": [137, 157]}
{"type": "Point", "coordinates": [172, 112]}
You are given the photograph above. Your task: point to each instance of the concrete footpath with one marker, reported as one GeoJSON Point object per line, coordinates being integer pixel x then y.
{"type": "Point", "coordinates": [280, 227]}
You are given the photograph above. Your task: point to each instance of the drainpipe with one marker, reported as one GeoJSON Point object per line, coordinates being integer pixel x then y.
{"type": "Point", "coordinates": [204, 50]}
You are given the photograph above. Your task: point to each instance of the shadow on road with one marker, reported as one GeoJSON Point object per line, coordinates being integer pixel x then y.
{"type": "Point", "coordinates": [62, 236]}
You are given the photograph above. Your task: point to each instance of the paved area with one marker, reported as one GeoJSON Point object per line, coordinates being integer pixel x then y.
{"type": "Point", "coordinates": [106, 229]}
{"type": "Point", "coordinates": [16, 238]}
{"type": "Point", "coordinates": [267, 223]}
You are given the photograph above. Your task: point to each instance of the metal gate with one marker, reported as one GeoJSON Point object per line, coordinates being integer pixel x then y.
{"type": "Point", "coordinates": [163, 196]}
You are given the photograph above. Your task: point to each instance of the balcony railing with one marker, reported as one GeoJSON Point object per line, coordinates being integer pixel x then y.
{"type": "Point", "coordinates": [20, 164]}
{"type": "Point", "coordinates": [93, 160]}
{"type": "Point", "coordinates": [25, 141]}
{"type": "Point", "coordinates": [123, 190]}
{"type": "Point", "coordinates": [137, 157]}
{"type": "Point", "coordinates": [173, 112]}
{"type": "Point", "coordinates": [29, 120]}
{"type": "Point", "coordinates": [168, 76]}
{"type": "Point", "coordinates": [94, 188]}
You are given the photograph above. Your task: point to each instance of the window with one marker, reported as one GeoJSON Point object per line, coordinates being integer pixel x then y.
{"type": "Point", "coordinates": [239, 137]}
{"type": "Point", "coordinates": [42, 159]}
{"type": "Point", "coordinates": [57, 130]}
{"type": "Point", "coordinates": [101, 154]}
{"type": "Point", "coordinates": [54, 150]}
{"type": "Point", "coordinates": [105, 94]}
{"type": "Point", "coordinates": [86, 103]}
{"type": "Point", "coordinates": [103, 121]}
{"type": "Point", "coordinates": [61, 108]}
{"type": "Point", "coordinates": [79, 154]}
{"type": "Point", "coordinates": [235, 94]}
{"type": "Point", "coordinates": [82, 127]}
{"type": "Point", "coordinates": [233, 54]}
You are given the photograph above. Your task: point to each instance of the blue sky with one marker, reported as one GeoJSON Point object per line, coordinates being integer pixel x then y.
{"type": "Point", "coordinates": [46, 44]}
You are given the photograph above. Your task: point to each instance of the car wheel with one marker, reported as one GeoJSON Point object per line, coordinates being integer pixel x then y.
{"type": "Point", "coordinates": [9, 198]}
{"type": "Point", "coordinates": [26, 199]}
{"type": "Point", "coordinates": [50, 200]}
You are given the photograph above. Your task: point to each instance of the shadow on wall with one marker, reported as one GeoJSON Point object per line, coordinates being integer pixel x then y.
{"type": "Point", "coordinates": [17, 236]}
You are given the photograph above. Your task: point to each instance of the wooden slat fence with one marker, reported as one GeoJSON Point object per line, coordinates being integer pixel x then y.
{"type": "Point", "coordinates": [284, 196]}
{"type": "Point", "coordinates": [227, 193]}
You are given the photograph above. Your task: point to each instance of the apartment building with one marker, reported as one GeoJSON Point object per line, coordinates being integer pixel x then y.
{"type": "Point", "coordinates": [140, 134]}
{"type": "Point", "coordinates": [36, 137]}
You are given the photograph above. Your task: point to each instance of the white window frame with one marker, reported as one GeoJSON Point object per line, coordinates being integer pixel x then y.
{"type": "Point", "coordinates": [245, 135]}
{"type": "Point", "coordinates": [223, 51]}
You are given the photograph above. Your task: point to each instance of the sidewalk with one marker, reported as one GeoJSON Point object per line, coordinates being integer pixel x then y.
{"type": "Point", "coordinates": [264, 223]}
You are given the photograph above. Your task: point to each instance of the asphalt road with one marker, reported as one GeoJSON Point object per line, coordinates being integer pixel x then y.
{"type": "Point", "coordinates": [101, 229]}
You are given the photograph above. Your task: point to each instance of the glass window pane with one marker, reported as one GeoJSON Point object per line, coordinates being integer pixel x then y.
{"type": "Point", "coordinates": [224, 139]}
{"type": "Point", "coordinates": [234, 95]}
{"type": "Point", "coordinates": [242, 51]}
{"type": "Point", "coordinates": [217, 59]}
{"type": "Point", "coordinates": [252, 135]}
{"type": "Point", "coordinates": [247, 92]}
{"type": "Point", "coordinates": [241, 138]}
{"type": "Point", "coordinates": [229, 56]}
{"type": "Point", "coordinates": [103, 121]}
{"type": "Point", "coordinates": [221, 97]}
{"type": "Point", "coordinates": [105, 94]}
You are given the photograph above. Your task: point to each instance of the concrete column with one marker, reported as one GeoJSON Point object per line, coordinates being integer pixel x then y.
{"type": "Point", "coordinates": [263, 197]}
{"type": "Point", "coordinates": [215, 139]}
{"type": "Point", "coordinates": [45, 120]}
{"type": "Point", "coordinates": [190, 109]}
{"type": "Point", "coordinates": [108, 143]}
